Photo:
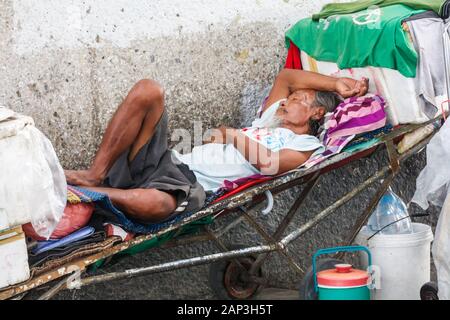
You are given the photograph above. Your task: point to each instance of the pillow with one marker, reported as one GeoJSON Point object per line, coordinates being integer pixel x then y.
{"type": "Point", "coordinates": [75, 217]}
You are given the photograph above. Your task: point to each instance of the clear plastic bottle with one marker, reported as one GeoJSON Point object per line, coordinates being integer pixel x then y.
{"type": "Point", "coordinates": [390, 210]}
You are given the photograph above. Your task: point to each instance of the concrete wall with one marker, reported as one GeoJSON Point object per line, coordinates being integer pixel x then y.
{"type": "Point", "coordinates": [69, 63]}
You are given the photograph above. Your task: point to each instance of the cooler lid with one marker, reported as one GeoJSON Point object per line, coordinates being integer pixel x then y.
{"type": "Point", "coordinates": [342, 276]}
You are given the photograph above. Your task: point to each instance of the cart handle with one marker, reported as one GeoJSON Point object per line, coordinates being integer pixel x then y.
{"type": "Point", "coordinates": [336, 250]}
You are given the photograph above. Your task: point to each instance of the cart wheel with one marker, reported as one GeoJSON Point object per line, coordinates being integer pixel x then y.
{"type": "Point", "coordinates": [429, 291]}
{"type": "Point", "coordinates": [306, 290]}
{"type": "Point", "coordinates": [228, 281]}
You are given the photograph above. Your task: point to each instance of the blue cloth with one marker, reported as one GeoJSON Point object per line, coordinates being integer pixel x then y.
{"type": "Point", "coordinates": [43, 246]}
{"type": "Point", "coordinates": [102, 200]}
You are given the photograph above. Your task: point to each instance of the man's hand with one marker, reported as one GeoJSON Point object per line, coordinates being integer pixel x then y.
{"type": "Point", "coordinates": [348, 87]}
{"type": "Point", "coordinates": [219, 135]}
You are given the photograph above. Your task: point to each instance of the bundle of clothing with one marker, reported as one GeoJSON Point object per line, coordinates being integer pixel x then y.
{"type": "Point", "coordinates": [354, 116]}
{"type": "Point", "coordinates": [405, 36]}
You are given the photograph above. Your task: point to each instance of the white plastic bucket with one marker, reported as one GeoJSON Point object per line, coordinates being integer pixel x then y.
{"type": "Point", "coordinates": [402, 262]}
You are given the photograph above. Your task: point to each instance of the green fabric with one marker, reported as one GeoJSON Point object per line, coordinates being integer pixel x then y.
{"type": "Point", "coordinates": [361, 146]}
{"type": "Point", "coordinates": [154, 242]}
{"type": "Point", "coordinates": [351, 41]}
{"type": "Point", "coordinates": [351, 7]}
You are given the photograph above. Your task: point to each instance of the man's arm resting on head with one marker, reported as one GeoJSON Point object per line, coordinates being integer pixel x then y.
{"type": "Point", "coordinates": [290, 80]}
{"type": "Point", "coordinates": [263, 159]}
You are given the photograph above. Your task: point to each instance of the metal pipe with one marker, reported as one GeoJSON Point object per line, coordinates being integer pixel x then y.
{"type": "Point", "coordinates": [179, 264]}
{"type": "Point", "coordinates": [311, 223]}
{"type": "Point", "coordinates": [270, 239]}
{"type": "Point", "coordinates": [221, 231]}
{"type": "Point", "coordinates": [287, 219]}
{"type": "Point", "coordinates": [367, 212]}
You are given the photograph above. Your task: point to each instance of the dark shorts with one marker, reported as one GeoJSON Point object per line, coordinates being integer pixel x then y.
{"type": "Point", "coordinates": [153, 167]}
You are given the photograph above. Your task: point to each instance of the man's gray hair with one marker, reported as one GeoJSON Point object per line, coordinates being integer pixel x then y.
{"type": "Point", "coordinates": [326, 99]}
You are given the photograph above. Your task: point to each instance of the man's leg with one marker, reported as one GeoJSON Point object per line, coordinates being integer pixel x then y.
{"type": "Point", "coordinates": [132, 126]}
{"type": "Point", "coordinates": [146, 205]}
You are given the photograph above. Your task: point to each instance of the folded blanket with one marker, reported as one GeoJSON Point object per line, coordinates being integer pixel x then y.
{"type": "Point", "coordinates": [81, 234]}
{"type": "Point", "coordinates": [106, 207]}
{"type": "Point", "coordinates": [353, 116]}
{"type": "Point", "coordinates": [41, 258]}
{"type": "Point", "coordinates": [372, 37]}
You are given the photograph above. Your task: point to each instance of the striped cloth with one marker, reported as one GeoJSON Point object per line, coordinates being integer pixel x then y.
{"type": "Point", "coordinates": [80, 195]}
{"type": "Point", "coordinates": [353, 116]}
{"type": "Point", "coordinates": [75, 196]}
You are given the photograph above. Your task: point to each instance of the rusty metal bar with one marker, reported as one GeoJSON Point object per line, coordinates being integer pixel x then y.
{"type": "Point", "coordinates": [179, 264]}
{"type": "Point", "coordinates": [367, 212]}
{"type": "Point", "coordinates": [393, 156]}
{"type": "Point", "coordinates": [221, 231]}
{"type": "Point", "coordinates": [222, 246]}
{"type": "Point", "coordinates": [185, 241]}
{"type": "Point", "coordinates": [311, 223]}
{"type": "Point", "coordinates": [269, 239]}
{"type": "Point", "coordinates": [329, 210]}
{"type": "Point", "coordinates": [61, 285]}
{"type": "Point", "coordinates": [298, 202]}
{"type": "Point", "coordinates": [287, 219]}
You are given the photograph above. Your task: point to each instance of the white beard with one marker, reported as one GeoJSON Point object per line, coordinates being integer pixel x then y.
{"type": "Point", "coordinates": [275, 122]}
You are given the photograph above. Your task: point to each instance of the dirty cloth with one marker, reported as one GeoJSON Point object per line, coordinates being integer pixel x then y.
{"type": "Point", "coordinates": [433, 182]}
{"type": "Point", "coordinates": [355, 6]}
{"type": "Point", "coordinates": [430, 77]}
{"type": "Point", "coordinates": [372, 37]}
{"type": "Point", "coordinates": [154, 167]}
{"type": "Point", "coordinates": [41, 258]}
{"type": "Point", "coordinates": [89, 235]}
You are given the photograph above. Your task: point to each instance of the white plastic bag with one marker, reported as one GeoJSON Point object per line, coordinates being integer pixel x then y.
{"type": "Point", "coordinates": [32, 183]}
{"type": "Point", "coordinates": [432, 183]}
{"type": "Point", "coordinates": [441, 251]}
{"type": "Point", "coordinates": [432, 186]}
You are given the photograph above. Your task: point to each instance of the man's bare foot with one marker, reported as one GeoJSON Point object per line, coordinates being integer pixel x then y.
{"type": "Point", "coordinates": [83, 178]}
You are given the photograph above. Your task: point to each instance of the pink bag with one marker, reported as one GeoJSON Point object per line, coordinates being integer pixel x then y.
{"type": "Point", "coordinates": [75, 217]}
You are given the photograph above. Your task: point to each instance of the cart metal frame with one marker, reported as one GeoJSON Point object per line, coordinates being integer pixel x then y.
{"type": "Point", "coordinates": [70, 276]}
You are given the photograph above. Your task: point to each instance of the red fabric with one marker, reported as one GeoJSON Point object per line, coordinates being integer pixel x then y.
{"type": "Point", "coordinates": [242, 187]}
{"type": "Point", "coordinates": [75, 217]}
{"type": "Point", "coordinates": [293, 58]}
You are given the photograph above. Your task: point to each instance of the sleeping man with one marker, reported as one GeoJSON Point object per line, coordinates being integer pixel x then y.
{"type": "Point", "coordinates": [150, 182]}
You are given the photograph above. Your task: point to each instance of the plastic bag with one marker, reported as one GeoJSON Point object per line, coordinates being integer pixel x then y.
{"type": "Point", "coordinates": [32, 183]}
{"type": "Point", "coordinates": [433, 182]}
{"type": "Point", "coordinates": [75, 217]}
{"type": "Point", "coordinates": [441, 251]}
{"type": "Point", "coordinates": [390, 216]}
